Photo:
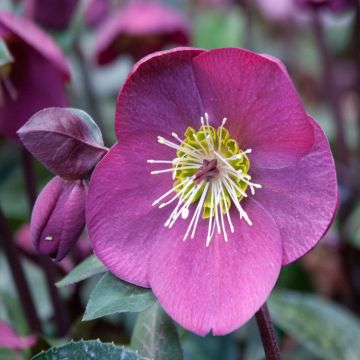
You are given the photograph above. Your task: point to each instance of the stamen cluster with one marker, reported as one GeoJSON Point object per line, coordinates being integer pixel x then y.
{"type": "Point", "coordinates": [209, 169]}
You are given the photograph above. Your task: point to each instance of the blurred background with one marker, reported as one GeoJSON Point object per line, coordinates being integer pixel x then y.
{"type": "Point", "coordinates": [316, 304]}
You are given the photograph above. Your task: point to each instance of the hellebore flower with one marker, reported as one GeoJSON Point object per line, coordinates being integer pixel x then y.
{"type": "Point", "coordinates": [10, 340]}
{"type": "Point", "coordinates": [58, 217]}
{"type": "Point", "coordinates": [53, 14]}
{"type": "Point", "coordinates": [34, 79]}
{"type": "Point", "coordinates": [138, 29]}
{"type": "Point", "coordinates": [218, 178]}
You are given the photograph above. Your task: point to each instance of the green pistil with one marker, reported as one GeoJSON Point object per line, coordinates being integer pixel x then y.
{"type": "Point", "coordinates": [203, 144]}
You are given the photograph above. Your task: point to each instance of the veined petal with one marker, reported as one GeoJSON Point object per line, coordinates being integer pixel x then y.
{"type": "Point", "coordinates": [256, 95]}
{"type": "Point", "coordinates": [220, 287]}
{"type": "Point", "coordinates": [160, 94]}
{"type": "Point", "coordinates": [122, 223]}
{"type": "Point", "coordinates": [302, 199]}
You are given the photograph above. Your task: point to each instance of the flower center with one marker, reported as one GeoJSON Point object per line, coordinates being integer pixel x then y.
{"type": "Point", "coordinates": [211, 171]}
{"type": "Point", "coordinates": [6, 84]}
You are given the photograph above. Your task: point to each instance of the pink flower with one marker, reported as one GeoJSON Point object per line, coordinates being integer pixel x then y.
{"type": "Point", "coordinates": [35, 79]}
{"type": "Point", "coordinates": [9, 339]}
{"type": "Point", "coordinates": [138, 29]}
{"type": "Point", "coordinates": [216, 146]}
{"type": "Point", "coordinates": [54, 14]}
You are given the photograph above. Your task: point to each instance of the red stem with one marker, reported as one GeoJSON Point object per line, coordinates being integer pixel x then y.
{"type": "Point", "coordinates": [267, 333]}
{"type": "Point", "coordinates": [12, 254]}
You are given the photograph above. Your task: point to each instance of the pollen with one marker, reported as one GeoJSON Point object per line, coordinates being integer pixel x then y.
{"type": "Point", "coordinates": [211, 174]}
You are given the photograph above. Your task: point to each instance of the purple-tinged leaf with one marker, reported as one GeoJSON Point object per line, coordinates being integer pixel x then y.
{"type": "Point", "coordinates": [67, 141]}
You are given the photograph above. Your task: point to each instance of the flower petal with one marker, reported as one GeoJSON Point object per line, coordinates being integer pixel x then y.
{"type": "Point", "coordinates": [302, 199]}
{"type": "Point", "coordinates": [9, 339]}
{"type": "Point", "coordinates": [160, 94]}
{"type": "Point", "coordinates": [123, 226]}
{"type": "Point", "coordinates": [220, 287]}
{"type": "Point", "coordinates": [36, 39]}
{"type": "Point", "coordinates": [263, 110]}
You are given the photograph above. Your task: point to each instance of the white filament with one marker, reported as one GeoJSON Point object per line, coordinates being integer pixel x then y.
{"type": "Point", "coordinates": [214, 188]}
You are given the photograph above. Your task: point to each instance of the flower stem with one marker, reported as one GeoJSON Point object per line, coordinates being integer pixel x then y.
{"type": "Point", "coordinates": [12, 254]}
{"type": "Point", "coordinates": [267, 333]}
{"type": "Point", "coordinates": [60, 312]}
{"type": "Point", "coordinates": [89, 91]}
{"type": "Point", "coordinates": [357, 55]}
{"type": "Point", "coordinates": [331, 89]}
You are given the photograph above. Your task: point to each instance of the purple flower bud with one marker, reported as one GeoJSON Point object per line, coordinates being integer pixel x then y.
{"type": "Point", "coordinates": [58, 217]}
{"type": "Point", "coordinates": [54, 14]}
{"type": "Point", "coordinates": [67, 141]}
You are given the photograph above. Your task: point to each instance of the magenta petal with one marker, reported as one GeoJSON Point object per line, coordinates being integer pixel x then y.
{"type": "Point", "coordinates": [160, 94]}
{"type": "Point", "coordinates": [263, 109]}
{"type": "Point", "coordinates": [9, 339]}
{"type": "Point", "coordinates": [122, 224]}
{"type": "Point", "coordinates": [302, 199]}
{"type": "Point", "coordinates": [37, 39]}
{"type": "Point", "coordinates": [220, 287]}
{"type": "Point", "coordinates": [58, 217]}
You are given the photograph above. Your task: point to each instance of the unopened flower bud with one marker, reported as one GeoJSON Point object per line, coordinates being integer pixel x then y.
{"type": "Point", "coordinates": [58, 217]}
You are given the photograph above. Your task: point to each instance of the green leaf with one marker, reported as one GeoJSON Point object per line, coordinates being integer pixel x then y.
{"type": "Point", "coordinates": [5, 56]}
{"type": "Point", "coordinates": [112, 295]}
{"type": "Point", "coordinates": [218, 28]}
{"type": "Point", "coordinates": [210, 347]}
{"type": "Point", "coordinates": [326, 329]}
{"type": "Point", "coordinates": [155, 335]}
{"type": "Point", "coordinates": [7, 354]}
{"type": "Point", "coordinates": [86, 350]}
{"type": "Point", "coordinates": [89, 267]}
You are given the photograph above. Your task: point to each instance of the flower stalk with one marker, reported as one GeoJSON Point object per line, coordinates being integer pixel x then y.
{"type": "Point", "coordinates": [267, 333]}
{"type": "Point", "coordinates": [331, 90]}
{"type": "Point", "coordinates": [88, 87]}
{"type": "Point", "coordinates": [60, 313]}
{"type": "Point", "coordinates": [11, 253]}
